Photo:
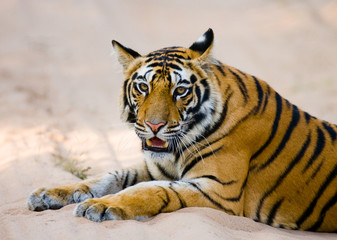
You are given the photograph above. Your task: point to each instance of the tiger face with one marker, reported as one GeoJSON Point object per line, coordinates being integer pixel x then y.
{"type": "Point", "coordinates": [168, 96]}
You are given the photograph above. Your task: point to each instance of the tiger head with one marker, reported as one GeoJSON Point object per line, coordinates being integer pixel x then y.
{"type": "Point", "coordinates": [170, 95]}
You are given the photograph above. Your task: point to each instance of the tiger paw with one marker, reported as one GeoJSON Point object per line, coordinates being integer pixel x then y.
{"type": "Point", "coordinates": [55, 198]}
{"type": "Point", "coordinates": [107, 208]}
{"type": "Point", "coordinates": [97, 210]}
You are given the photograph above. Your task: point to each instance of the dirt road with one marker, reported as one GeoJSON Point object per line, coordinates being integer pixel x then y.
{"type": "Point", "coordinates": [59, 90]}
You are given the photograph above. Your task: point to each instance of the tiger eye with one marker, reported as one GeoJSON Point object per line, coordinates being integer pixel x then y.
{"type": "Point", "coordinates": [181, 90]}
{"type": "Point", "coordinates": [143, 87]}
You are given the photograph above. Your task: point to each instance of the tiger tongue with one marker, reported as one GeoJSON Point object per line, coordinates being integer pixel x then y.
{"type": "Point", "coordinates": [156, 142]}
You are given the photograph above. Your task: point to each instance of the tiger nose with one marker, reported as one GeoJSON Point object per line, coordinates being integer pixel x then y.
{"type": "Point", "coordinates": [155, 127]}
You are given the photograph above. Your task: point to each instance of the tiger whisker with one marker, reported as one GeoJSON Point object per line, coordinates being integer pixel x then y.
{"type": "Point", "coordinates": [207, 145]}
{"type": "Point", "coordinates": [193, 145]}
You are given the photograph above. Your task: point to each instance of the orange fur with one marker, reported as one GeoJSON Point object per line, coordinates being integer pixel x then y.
{"type": "Point", "coordinates": [234, 144]}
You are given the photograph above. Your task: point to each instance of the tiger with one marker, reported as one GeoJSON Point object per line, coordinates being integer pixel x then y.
{"type": "Point", "coordinates": [211, 136]}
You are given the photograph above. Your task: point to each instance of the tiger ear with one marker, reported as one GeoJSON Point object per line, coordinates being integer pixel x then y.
{"type": "Point", "coordinates": [125, 55]}
{"type": "Point", "coordinates": [202, 47]}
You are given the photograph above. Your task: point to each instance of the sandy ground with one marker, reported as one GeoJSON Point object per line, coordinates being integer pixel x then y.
{"type": "Point", "coordinates": [59, 89]}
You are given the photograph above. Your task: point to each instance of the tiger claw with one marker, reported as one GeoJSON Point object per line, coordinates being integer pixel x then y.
{"type": "Point", "coordinates": [56, 198]}
{"type": "Point", "coordinates": [40, 200]}
{"type": "Point", "coordinates": [98, 212]}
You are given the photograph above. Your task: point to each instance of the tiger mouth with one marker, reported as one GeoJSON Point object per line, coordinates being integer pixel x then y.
{"type": "Point", "coordinates": [155, 145]}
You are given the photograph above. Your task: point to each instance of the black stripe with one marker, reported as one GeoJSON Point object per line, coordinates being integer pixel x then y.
{"type": "Point", "coordinates": [293, 163]}
{"type": "Point", "coordinates": [220, 121]}
{"type": "Point", "coordinates": [125, 98]}
{"type": "Point", "coordinates": [166, 201]}
{"type": "Point", "coordinates": [313, 175]}
{"type": "Point", "coordinates": [196, 160]}
{"type": "Point", "coordinates": [189, 100]}
{"type": "Point", "coordinates": [288, 103]}
{"type": "Point", "coordinates": [241, 85]}
{"type": "Point", "coordinates": [172, 50]}
{"type": "Point", "coordinates": [161, 58]}
{"type": "Point", "coordinates": [214, 178]}
{"type": "Point", "coordinates": [139, 126]}
{"type": "Point", "coordinates": [236, 199]}
{"type": "Point", "coordinates": [198, 93]}
{"type": "Point", "coordinates": [197, 107]}
{"type": "Point", "coordinates": [135, 179]}
{"type": "Point", "coordinates": [205, 97]}
{"type": "Point", "coordinates": [330, 130]}
{"type": "Point", "coordinates": [147, 72]}
{"type": "Point", "coordinates": [148, 60]}
{"type": "Point", "coordinates": [148, 172]}
{"type": "Point", "coordinates": [294, 121]}
{"type": "Point", "coordinates": [320, 143]}
{"type": "Point", "coordinates": [183, 81]}
{"type": "Point", "coordinates": [193, 78]}
{"type": "Point", "coordinates": [273, 211]}
{"type": "Point", "coordinates": [319, 193]}
{"type": "Point", "coordinates": [197, 118]}
{"type": "Point", "coordinates": [164, 172]}
{"type": "Point", "coordinates": [181, 115]}
{"type": "Point", "coordinates": [181, 201]}
{"type": "Point", "coordinates": [177, 60]}
{"type": "Point", "coordinates": [175, 57]}
{"type": "Point", "coordinates": [153, 54]}
{"type": "Point", "coordinates": [126, 179]}
{"type": "Point", "coordinates": [211, 199]}
{"type": "Point", "coordinates": [266, 98]}
{"type": "Point", "coordinates": [166, 52]}
{"type": "Point", "coordinates": [259, 94]}
{"type": "Point", "coordinates": [307, 117]}
{"type": "Point", "coordinates": [174, 66]}
{"type": "Point", "coordinates": [220, 68]}
{"type": "Point", "coordinates": [169, 79]}
{"type": "Point", "coordinates": [218, 80]}
{"type": "Point", "coordinates": [274, 127]}
{"type": "Point", "coordinates": [242, 73]}
{"type": "Point", "coordinates": [134, 76]}
{"type": "Point", "coordinates": [322, 214]}
{"type": "Point", "coordinates": [131, 117]}
{"type": "Point", "coordinates": [179, 75]}
{"type": "Point", "coordinates": [156, 64]}
{"type": "Point", "coordinates": [116, 175]}
{"type": "Point", "coordinates": [128, 90]}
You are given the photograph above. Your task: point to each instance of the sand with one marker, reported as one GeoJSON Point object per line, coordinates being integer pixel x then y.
{"type": "Point", "coordinates": [59, 90]}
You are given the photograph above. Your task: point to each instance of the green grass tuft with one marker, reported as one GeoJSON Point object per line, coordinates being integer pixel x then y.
{"type": "Point", "coordinates": [70, 163]}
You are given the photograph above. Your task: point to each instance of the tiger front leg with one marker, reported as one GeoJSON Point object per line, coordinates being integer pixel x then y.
{"type": "Point", "coordinates": [151, 198]}
{"type": "Point", "coordinates": [55, 198]}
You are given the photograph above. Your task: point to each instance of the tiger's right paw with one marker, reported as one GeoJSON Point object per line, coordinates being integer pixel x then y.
{"type": "Point", "coordinates": [55, 198]}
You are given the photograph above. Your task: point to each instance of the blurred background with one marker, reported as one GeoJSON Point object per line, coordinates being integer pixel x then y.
{"type": "Point", "coordinates": [59, 84]}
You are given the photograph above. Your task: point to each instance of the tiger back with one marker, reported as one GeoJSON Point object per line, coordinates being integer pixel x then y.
{"type": "Point", "coordinates": [213, 136]}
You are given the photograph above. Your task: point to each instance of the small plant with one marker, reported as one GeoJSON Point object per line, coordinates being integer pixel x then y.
{"type": "Point", "coordinates": [70, 162]}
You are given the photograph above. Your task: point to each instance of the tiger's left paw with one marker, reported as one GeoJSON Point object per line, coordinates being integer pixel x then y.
{"type": "Point", "coordinates": [99, 209]}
